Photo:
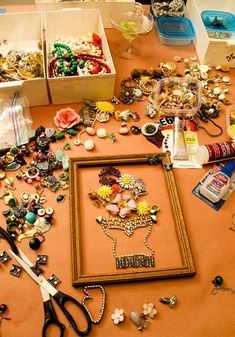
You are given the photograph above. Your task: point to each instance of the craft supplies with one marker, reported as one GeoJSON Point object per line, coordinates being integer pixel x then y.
{"type": "Point", "coordinates": [217, 184]}
{"type": "Point", "coordinates": [179, 148]}
{"type": "Point", "coordinates": [216, 168]}
{"type": "Point", "coordinates": [230, 119]}
{"type": "Point", "coordinates": [119, 195]}
{"type": "Point", "coordinates": [215, 152]}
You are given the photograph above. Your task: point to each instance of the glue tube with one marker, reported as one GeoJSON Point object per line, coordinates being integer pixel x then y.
{"type": "Point", "coordinates": [215, 152]}
{"type": "Point", "coordinates": [180, 149]}
{"type": "Point", "coordinates": [217, 184]}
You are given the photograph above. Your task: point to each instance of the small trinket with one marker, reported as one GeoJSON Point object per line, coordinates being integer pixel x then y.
{"type": "Point", "coordinates": [15, 270]}
{"type": "Point", "coordinates": [90, 131]}
{"type": "Point", "coordinates": [101, 133]}
{"type": "Point", "coordinates": [54, 280]}
{"type": "Point", "coordinates": [41, 259]}
{"type": "Point", "coordinates": [36, 270]}
{"type": "Point", "coordinates": [60, 198]}
{"type": "Point", "coordinates": [171, 301]}
{"type": "Point", "coordinates": [67, 146]}
{"type": "Point", "coordinates": [34, 243]}
{"type": "Point", "coordinates": [4, 257]}
{"type": "Point", "coordinates": [111, 135]}
{"type": "Point", "coordinates": [149, 310]}
{"type": "Point", "coordinates": [118, 316]}
{"type": "Point", "coordinates": [218, 280]}
{"type": "Point", "coordinates": [123, 130]}
{"type": "Point", "coordinates": [139, 320]}
{"type": "Point", "coordinates": [3, 309]}
{"type": "Point", "coordinates": [89, 144]}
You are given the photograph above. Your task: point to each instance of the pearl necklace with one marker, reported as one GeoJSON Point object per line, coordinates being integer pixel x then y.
{"type": "Point", "coordinates": [88, 296]}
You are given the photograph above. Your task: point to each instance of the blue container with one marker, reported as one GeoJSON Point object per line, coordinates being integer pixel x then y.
{"type": "Point", "coordinates": [218, 21]}
{"type": "Point", "coordinates": [178, 31]}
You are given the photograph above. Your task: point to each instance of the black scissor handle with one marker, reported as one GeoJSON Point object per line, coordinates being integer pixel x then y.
{"type": "Point", "coordinates": [6, 236]}
{"type": "Point", "coordinates": [51, 319]}
{"type": "Point", "coordinates": [61, 299]}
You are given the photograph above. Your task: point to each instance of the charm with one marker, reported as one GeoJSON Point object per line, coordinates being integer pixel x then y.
{"type": "Point", "coordinates": [171, 301]}
{"type": "Point", "coordinates": [149, 310]}
{"type": "Point", "coordinates": [3, 308]}
{"type": "Point", "coordinates": [101, 133]}
{"type": "Point", "coordinates": [41, 259]}
{"type": "Point", "coordinates": [118, 316]}
{"type": "Point", "coordinates": [89, 144]}
{"type": "Point", "coordinates": [4, 257]}
{"type": "Point", "coordinates": [139, 320]}
{"type": "Point", "coordinates": [15, 270]}
{"type": "Point", "coordinates": [54, 280]}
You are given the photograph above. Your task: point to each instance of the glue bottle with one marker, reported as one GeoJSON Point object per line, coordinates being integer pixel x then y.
{"type": "Point", "coordinates": [217, 184]}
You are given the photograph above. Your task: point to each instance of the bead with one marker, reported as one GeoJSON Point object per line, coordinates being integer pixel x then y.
{"type": "Point", "coordinates": [101, 133]}
{"type": "Point", "coordinates": [49, 210]}
{"type": "Point", "coordinates": [34, 243]}
{"type": "Point", "coordinates": [30, 217]}
{"type": "Point", "coordinates": [218, 280]}
{"type": "Point", "coordinates": [3, 308]}
{"type": "Point", "coordinates": [41, 211]}
{"type": "Point", "coordinates": [60, 198]}
{"type": "Point", "coordinates": [89, 144]}
{"type": "Point", "coordinates": [90, 131]}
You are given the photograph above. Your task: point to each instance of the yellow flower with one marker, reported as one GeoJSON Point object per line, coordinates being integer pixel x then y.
{"type": "Point", "coordinates": [104, 191]}
{"type": "Point", "coordinates": [143, 208]}
{"type": "Point", "coordinates": [104, 106]}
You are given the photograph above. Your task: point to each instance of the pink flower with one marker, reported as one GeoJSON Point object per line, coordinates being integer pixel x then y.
{"type": "Point", "coordinates": [66, 119]}
{"type": "Point", "coordinates": [122, 205]}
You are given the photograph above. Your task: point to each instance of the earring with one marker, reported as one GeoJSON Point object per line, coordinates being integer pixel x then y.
{"type": "Point", "coordinates": [118, 316]}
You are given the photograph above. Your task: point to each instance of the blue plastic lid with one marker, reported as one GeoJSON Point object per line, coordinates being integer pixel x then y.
{"type": "Point", "coordinates": [229, 168]}
{"type": "Point", "coordinates": [218, 20]}
{"type": "Point", "coordinates": [175, 27]}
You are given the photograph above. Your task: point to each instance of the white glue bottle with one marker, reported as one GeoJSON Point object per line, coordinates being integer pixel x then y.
{"type": "Point", "coordinates": [217, 184]}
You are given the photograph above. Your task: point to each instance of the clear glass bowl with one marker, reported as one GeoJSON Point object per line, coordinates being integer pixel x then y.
{"type": "Point", "coordinates": [177, 96]}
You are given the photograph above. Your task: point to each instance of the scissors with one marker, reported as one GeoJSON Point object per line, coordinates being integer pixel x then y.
{"type": "Point", "coordinates": [48, 290]}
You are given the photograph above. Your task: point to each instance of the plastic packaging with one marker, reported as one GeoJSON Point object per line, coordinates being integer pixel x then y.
{"type": "Point", "coordinates": [217, 184]}
{"type": "Point", "coordinates": [215, 152]}
{"type": "Point", "coordinates": [180, 150]}
{"type": "Point", "coordinates": [175, 30]}
{"type": "Point", "coordinates": [230, 121]}
{"type": "Point", "coordinates": [15, 122]}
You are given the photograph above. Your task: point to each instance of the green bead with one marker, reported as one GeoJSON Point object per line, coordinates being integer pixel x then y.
{"type": "Point", "coordinates": [34, 243]}
{"type": "Point", "coordinates": [59, 135]}
{"type": "Point", "coordinates": [218, 280]}
{"type": "Point", "coordinates": [71, 132]}
{"type": "Point", "coordinates": [30, 217]}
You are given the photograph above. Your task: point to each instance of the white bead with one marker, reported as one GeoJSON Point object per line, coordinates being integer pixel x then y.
{"type": "Point", "coordinates": [89, 144]}
{"type": "Point", "coordinates": [101, 133]}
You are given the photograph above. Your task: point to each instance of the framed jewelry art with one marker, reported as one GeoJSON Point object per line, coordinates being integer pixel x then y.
{"type": "Point", "coordinates": [151, 244]}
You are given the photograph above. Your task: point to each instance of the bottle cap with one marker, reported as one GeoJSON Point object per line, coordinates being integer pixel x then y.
{"type": "Point", "coordinates": [229, 168]}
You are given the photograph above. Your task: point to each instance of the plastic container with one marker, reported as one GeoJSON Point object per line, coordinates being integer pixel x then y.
{"type": "Point", "coordinates": [177, 96]}
{"type": "Point", "coordinates": [175, 31]}
{"type": "Point", "coordinates": [217, 184]}
{"type": "Point", "coordinates": [218, 20]}
{"type": "Point", "coordinates": [167, 8]}
{"type": "Point", "coordinates": [215, 152]}
{"type": "Point", "coordinates": [230, 121]}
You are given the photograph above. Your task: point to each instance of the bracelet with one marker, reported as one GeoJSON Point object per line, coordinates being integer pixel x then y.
{"type": "Point", "coordinates": [129, 83]}
{"type": "Point", "coordinates": [148, 86]}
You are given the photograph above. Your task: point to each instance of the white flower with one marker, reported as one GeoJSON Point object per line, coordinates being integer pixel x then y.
{"type": "Point", "coordinates": [149, 310]}
{"type": "Point", "coordinates": [126, 181]}
{"type": "Point", "coordinates": [118, 316]}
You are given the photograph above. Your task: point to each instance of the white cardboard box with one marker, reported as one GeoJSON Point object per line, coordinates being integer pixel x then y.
{"type": "Point", "coordinates": [211, 51]}
{"type": "Point", "coordinates": [104, 6]}
{"type": "Point", "coordinates": [72, 89]}
{"type": "Point", "coordinates": [23, 31]}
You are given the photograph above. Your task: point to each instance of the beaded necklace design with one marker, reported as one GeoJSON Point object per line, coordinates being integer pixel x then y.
{"type": "Point", "coordinates": [119, 194]}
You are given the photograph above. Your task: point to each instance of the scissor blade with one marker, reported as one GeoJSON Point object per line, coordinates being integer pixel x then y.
{"type": "Point", "coordinates": [45, 294]}
{"type": "Point", "coordinates": [38, 279]}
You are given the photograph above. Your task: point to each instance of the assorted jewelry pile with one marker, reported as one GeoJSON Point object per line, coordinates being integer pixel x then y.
{"type": "Point", "coordinates": [119, 194]}
{"type": "Point", "coordinates": [78, 57]}
{"type": "Point", "coordinates": [19, 65]}
{"type": "Point", "coordinates": [168, 8]}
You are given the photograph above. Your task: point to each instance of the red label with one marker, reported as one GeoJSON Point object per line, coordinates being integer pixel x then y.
{"type": "Point", "coordinates": [220, 150]}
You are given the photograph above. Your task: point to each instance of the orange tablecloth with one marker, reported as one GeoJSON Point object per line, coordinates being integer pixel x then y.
{"type": "Point", "coordinates": [198, 313]}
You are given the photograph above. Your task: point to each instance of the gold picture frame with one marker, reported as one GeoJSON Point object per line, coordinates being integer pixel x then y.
{"type": "Point", "coordinates": [88, 249]}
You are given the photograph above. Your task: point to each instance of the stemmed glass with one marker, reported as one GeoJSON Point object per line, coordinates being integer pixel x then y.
{"type": "Point", "coordinates": [131, 22]}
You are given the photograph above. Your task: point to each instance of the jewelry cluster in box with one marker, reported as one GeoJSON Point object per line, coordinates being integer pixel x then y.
{"type": "Point", "coordinates": [79, 63]}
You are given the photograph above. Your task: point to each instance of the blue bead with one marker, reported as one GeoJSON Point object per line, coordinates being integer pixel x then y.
{"type": "Point", "coordinates": [30, 217]}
